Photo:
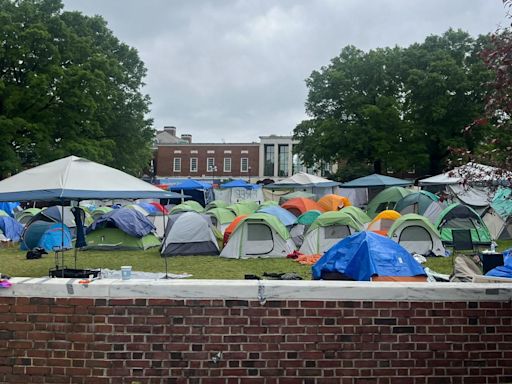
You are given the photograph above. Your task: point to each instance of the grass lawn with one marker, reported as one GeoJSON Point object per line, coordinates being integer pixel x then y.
{"type": "Point", "coordinates": [13, 263]}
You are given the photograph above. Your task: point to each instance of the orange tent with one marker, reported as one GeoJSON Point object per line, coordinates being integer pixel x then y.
{"type": "Point", "coordinates": [383, 221]}
{"type": "Point", "coordinates": [231, 227]}
{"type": "Point", "coordinates": [334, 202]}
{"type": "Point", "coordinates": [299, 205]}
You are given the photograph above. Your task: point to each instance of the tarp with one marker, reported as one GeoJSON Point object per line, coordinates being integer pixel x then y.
{"type": "Point", "coordinates": [366, 254]}
{"type": "Point", "coordinates": [10, 207]}
{"type": "Point", "coordinates": [240, 184]}
{"type": "Point", "coordinates": [478, 198]}
{"type": "Point", "coordinates": [469, 173]}
{"type": "Point", "coordinates": [75, 178]}
{"type": "Point", "coordinates": [375, 180]}
{"type": "Point", "coordinates": [128, 220]}
{"type": "Point", "coordinates": [10, 228]}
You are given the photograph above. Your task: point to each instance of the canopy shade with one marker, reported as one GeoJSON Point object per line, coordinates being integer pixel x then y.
{"type": "Point", "coordinates": [375, 180]}
{"type": "Point", "coordinates": [240, 184]}
{"type": "Point", "coordinates": [303, 179]}
{"type": "Point", "coordinates": [75, 178]}
{"type": "Point", "coordinates": [190, 184]}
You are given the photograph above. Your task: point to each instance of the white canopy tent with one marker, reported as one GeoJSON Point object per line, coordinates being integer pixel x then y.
{"type": "Point", "coordinates": [308, 183]}
{"type": "Point", "coordinates": [76, 178]}
{"type": "Point", "coordinates": [470, 172]}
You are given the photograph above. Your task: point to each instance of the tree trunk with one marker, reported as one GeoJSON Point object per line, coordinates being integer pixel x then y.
{"type": "Point", "coordinates": [377, 166]}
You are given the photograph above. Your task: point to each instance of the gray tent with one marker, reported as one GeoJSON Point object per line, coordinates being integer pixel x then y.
{"type": "Point", "coordinates": [189, 233]}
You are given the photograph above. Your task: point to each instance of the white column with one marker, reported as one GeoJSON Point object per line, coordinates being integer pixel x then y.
{"type": "Point", "coordinates": [276, 159]}
{"type": "Point", "coordinates": [290, 159]}
{"type": "Point", "coordinates": [261, 165]}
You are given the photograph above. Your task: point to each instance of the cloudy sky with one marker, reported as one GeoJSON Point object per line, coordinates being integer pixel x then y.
{"type": "Point", "coordinates": [233, 70]}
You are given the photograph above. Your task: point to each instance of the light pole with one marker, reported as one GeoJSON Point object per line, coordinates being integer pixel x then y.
{"type": "Point", "coordinates": [213, 168]}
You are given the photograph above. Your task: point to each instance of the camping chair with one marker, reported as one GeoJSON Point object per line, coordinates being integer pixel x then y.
{"type": "Point", "coordinates": [462, 241]}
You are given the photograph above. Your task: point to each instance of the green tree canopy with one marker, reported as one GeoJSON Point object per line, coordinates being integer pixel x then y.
{"type": "Point", "coordinates": [68, 86]}
{"type": "Point", "coordinates": [401, 108]}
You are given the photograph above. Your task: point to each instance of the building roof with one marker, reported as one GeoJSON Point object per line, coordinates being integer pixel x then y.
{"type": "Point", "coordinates": [165, 137]}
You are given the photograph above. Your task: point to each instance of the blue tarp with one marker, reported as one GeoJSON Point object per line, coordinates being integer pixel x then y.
{"type": "Point", "coordinates": [189, 184]}
{"type": "Point", "coordinates": [504, 270]}
{"type": "Point", "coordinates": [127, 220]}
{"type": "Point", "coordinates": [284, 216]}
{"type": "Point", "coordinates": [149, 208]}
{"type": "Point", "coordinates": [240, 183]}
{"type": "Point", "coordinates": [195, 190]}
{"type": "Point", "coordinates": [9, 207]}
{"type": "Point", "coordinates": [366, 254]}
{"type": "Point", "coordinates": [374, 181]}
{"type": "Point", "coordinates": [11, 228]}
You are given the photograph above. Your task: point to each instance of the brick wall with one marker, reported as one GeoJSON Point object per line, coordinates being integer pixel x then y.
{"type": "Point", "coordinates": [87, 340]}
{"type": "Point", "coordinates": [166, 153]}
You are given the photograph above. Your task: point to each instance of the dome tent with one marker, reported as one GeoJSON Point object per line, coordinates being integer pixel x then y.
{"type": "Point", "coordinates": [367, 256]}
{"type": "Point", "coordinates": [122, 229]}
{"type": "Point", "coordinates": [417, 234]}
{"type": "Point", "coordinates": [283, 215]}
{"type": "Point", "coordinates": [333, 202]}
{"type": "Point", "coordinates": [259, 235]}
{"type": "Point", "coordinates": [416, 202]}
{"type": "Point", "coordinates": [300, 205]}
{"type": "Point", "coordinates": [189, 233]}
{"type": "Point", "coordinates": [458, 216]}
{"type": "Point", "coordinates": [383, 221]}
{"type": "Point", "coordinates": [357, 214]}
{"type": "Point", "coordinates": [386, 199]}
{"type": "Point", "coordinates": [327, 230]}
{"type": "Point", "coordinates": [221, 218]}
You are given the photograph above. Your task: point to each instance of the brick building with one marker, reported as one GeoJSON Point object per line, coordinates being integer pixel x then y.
{"type": "Point", "coordinates": [272, 158]}
{"type": "Point", "coordinates": [180, 157]}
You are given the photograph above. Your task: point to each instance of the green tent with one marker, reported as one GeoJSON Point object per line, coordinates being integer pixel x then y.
{"type": "Point", "coordinates": [115, 239]}
{"type": "Point", "coordinates": [307, 218]}
{"type": "Point", "coordinates": [187, 206]}
{"type": "Point", "coordinates": [216, 204]}
{"type": "Point", "coordinates": [293, 195]}
{"type": "Point", "coordinates": [335, 218]}
{"type": "Point", "coordinates": [24, 216]}
{"type": "Point", "coordinates": [386, 199]}
{"type": "Point", "coordinates": [416, 202]}
{"type": "Point", "coordinates": [412, 217]}
{"type": "Point", "coordinates": [458, 216]}
{"type": "Point", "coordinates": [223, 215]}
{"type": "Point", "coordinates": [100, 211]}
{"type": "Point", "coordinates": [502, 202]}
{"type": "Point", "coordinates": [357, 214]}
{"type": "Point", "coordinates": [243, 208]}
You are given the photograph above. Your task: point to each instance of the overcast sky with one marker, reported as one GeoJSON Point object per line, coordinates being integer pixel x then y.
{"type": "Point", "coordinates": [234, 70]}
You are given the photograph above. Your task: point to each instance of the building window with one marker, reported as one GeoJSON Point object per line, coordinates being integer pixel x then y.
{"type": "Point", "coordinates": [177, 164]}
{"type": "Point", "coordinates": [210, 163]}
{"type": "Point", "coordinates": [244, 164]}
{"type": "Point", "coordinates": [282, 170]}
{"type": "Point", "coordinates": [268, 169]}
{"type": "Point", "coordinates": [227, 164]}
{"type": "Point", "coordinates": [193, 164]}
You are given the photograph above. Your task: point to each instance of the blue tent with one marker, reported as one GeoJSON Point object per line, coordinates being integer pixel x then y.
{"type": "Point", "coordinates": [49, 236]}
{"type": "Point", "coordinates": [128, 220]}
{"type": "Point", "coordinates": [11, 229]}
{"type": "Point", "coordinates": [195, 190]}
{"type": "Point", "coordinates": [240, 183]}
{"type": "Point", "coordinates": [375, 181]}
{"type": "Point", "coordinates": [9, 207]}
{"type": "Point", "coordinates": [284, 216]}
{"type": "Point", "coordinates": [366, 254]}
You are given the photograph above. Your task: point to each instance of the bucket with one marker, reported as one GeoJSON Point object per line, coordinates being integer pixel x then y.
{"type": "Point", "coordinates": [126, 272]}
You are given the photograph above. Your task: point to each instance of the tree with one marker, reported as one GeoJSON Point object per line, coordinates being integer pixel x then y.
{"type": "Point", "coordinates": [498, 58]}
{"type": "Point", "coordinates": [396, 107]}
{"type": "Point", "coordinates": [68, 86]}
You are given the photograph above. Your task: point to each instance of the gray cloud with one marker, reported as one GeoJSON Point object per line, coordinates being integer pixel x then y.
{"type": "Point", "coordinates": [235, 70]}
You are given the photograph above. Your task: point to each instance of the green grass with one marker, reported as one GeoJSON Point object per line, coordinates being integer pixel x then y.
{"type": "Point", "coordinates": [14, 263]}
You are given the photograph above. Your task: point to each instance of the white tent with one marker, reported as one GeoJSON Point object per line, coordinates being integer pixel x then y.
{"type": "Point", "coordinates": [75, 178]}
{"type": "Point", "coordinates": [308, 183]}
{"type": "Point", "coordinates": [472, 172]}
